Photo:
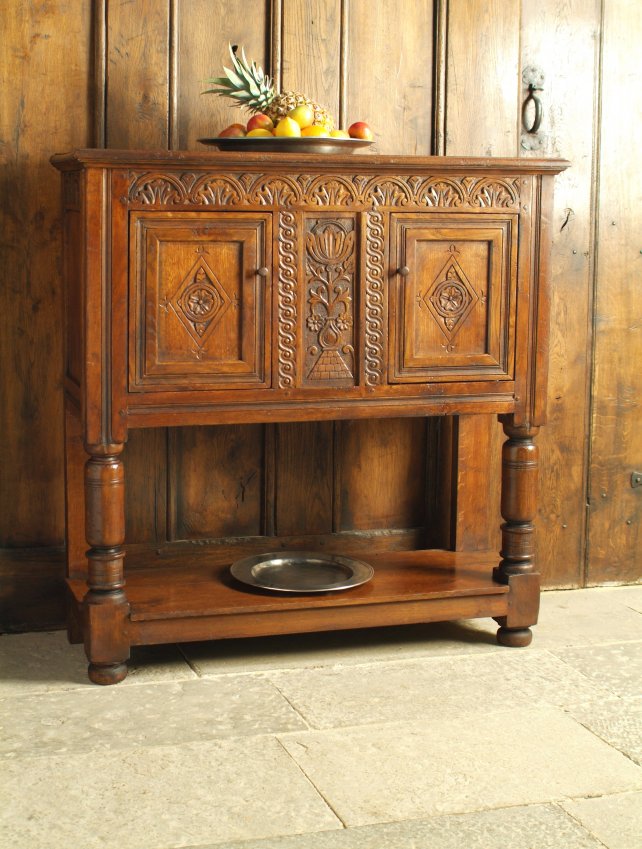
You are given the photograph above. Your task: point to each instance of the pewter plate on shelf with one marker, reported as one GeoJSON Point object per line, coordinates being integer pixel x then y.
{"type": "Point", "coordinates": [287, 145]}
{"type": "Point", "coordinates": [301, 572]}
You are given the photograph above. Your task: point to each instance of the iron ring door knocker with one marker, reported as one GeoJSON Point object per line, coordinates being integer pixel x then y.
{"type": "Point", "coordinates": [537, 103]}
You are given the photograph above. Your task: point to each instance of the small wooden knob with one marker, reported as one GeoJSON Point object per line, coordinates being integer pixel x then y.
{"type": "Point", "coordinates": [262, 272]}
{"type": "Point", "coordinates": [404, 271]}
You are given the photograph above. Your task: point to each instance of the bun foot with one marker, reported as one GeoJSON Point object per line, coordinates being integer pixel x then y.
{"type": "Point", "coordinates": [107, 673]}
{"type": "Point", "coordinates": [514, 637]}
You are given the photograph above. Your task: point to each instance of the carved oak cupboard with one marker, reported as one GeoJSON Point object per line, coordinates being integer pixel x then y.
{"type": "Point", "coordinates": [231, 288]}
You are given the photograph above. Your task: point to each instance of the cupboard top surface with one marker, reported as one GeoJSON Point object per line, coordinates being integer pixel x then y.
{"type": "Point", "coordinates": [98, 157]}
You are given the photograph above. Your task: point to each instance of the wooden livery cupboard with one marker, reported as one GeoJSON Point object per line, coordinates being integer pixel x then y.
{"type": "Point", "coordinates": [227, 288]}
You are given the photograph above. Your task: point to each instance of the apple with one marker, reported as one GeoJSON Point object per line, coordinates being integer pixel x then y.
{"type": "Point", "coordinates": [287, 128]}
{"type": "Point", "coordinates": [360, 130]}
{"type": "Point", "coordinates": [259, 133]}
{"type": "Point", "coordinates": [303, 115]}
{"type": "Point", "coordinates": [234, 131]}
{"type": "Point", "coordinates": [339, 134]}
{"type": "Point", "coordinates": [260, 122]}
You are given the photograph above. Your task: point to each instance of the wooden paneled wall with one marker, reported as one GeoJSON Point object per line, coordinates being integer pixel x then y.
{"type": "Point", "coordinates": [442, 76]}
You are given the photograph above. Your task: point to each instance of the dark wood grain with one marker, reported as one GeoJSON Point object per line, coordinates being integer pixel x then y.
{"type": "Point", "coordinates": [31, 413]}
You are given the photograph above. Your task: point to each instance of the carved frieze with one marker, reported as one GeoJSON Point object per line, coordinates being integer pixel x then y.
{"type": "Point", "coordinates": [287, 190]}
{"type": "Point", "coordinates": [330, 249]}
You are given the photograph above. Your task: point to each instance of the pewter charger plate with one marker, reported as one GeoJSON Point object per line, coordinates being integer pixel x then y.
{"type": "Point", "coordinates": [301, 572]}
{"type": "Point", "coordinates": [287, 145]}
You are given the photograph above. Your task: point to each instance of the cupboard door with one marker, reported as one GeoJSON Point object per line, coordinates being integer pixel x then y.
{"type": "Point", "coordinates": [200, 304]}
{"type": "Point", "coordinates": [452, 298]}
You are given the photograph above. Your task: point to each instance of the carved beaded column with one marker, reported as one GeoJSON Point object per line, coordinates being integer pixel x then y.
{"type": "Point", "coordinates": [105, 605]}
{"type": "Point", "coordinates": [519, 508]}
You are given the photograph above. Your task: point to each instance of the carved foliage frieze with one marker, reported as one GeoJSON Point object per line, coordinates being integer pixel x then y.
{"type": "Point", "coordinates": [330, 260]}
{"type": "Point", "coordinates": [286, 190]}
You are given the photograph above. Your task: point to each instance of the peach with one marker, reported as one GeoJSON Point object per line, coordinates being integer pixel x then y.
{"type": "Point", "coordinates": [260, 122]}
{"type": "Point", "coordinates": [234, 131]}
{"type": "Point", "coordinates": [360, 130]}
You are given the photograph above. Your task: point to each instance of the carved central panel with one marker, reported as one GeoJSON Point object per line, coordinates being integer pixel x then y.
{"type": "Point", "coordinates": [200, 302]}
{"type": "Point", "coordinates": [450, 298]}
{"type": "Point", "coordinates": [329, 281]}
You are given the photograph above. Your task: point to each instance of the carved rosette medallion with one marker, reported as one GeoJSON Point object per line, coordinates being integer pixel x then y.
{"type": "Point", "coordinates": [450, 299]}
{"type": "Point", "coordinates": [286, 299]}
{"type": "Point", "coordinates": [199, 303]}
{"type": "Point", "coordinates": [329, 268]}
{"type": "Point", "coordinates": [374, 299]}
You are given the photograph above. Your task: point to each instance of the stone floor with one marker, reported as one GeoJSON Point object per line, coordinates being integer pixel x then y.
{"type": "Point", "coordinates": [424, 737]}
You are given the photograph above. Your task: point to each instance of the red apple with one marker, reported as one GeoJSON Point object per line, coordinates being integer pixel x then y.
{"type": "Point", "coordinates": [234, 131]}
{"type": "Point", "coordinates": [360, 130]}
{"type": "Point", "coordinates": [260, 122]}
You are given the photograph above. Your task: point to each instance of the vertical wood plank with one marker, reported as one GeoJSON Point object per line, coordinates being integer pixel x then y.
{"type": "Point", "coordinates": [137, 64]}
{"type": "Point", "coordinates": [389, 56]}
{"type": "Point", "coordinates": [482, 110]}
{"type": "Point", "coordinates": [304, 478]}
{"type": "Point", "coordinates": [382, 481]}
{"type": "Point", "coordinates": [560, 38]}
{"type": "Point", "coordinates": [45, 107]}
{"type": "Point", "coordinates": [482, 80]}
{"type": "Point", "coordinates": [146, 490]}
{"type": "Point", "coordinates": [615, 533]}
{"type": "Point", "coordinates": [216, 487]}
{"type": "Point", "coordinates": [204, 31]}
{"type": "Point", "coordinates": [311, 56]}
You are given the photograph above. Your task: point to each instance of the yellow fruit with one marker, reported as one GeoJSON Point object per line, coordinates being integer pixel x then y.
{"type": "Point", "coordinates": [287, 128]}
{"type": "Point", "coordinates": [339, 134]}
{"type": "Point", "coordinates": [315, 132]}
{"type": "Point", "coordinates": [259, 134]}
{"type": "Point", "coordinates": [303, 115]}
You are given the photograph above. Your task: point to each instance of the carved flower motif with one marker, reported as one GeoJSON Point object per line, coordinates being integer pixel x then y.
{"type": "Point", "coordinates": [315, 322]}
{"type": "Point", "coordinates": [329, 244]}
{"type": "Point", "coordinates": [451, 298]}
{"type": "Point", "coordinates": [200, 301]}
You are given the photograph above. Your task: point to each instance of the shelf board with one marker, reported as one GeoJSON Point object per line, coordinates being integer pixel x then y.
{"type": "Point", "coordinates": [203, 601]}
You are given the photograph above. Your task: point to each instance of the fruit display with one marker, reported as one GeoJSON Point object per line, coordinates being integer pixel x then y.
{"type": "Point", "coordinates": [288, 114]}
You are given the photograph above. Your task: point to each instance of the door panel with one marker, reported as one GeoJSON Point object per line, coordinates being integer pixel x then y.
{"type": "Point", "coordinates": [450, 299]}
{"type": "Point", "coordinates": [201, 300]}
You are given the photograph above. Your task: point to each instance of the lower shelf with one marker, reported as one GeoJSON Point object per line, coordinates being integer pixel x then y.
{"type": "Point", "coordinates": [181, 601]}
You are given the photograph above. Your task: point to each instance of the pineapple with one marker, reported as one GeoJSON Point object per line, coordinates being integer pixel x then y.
{"type": "Point", "coordinates": [250, 87]}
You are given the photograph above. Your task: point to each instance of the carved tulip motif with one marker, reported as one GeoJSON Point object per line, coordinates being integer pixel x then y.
{"type": "Point", "coordinates": [330, 247]}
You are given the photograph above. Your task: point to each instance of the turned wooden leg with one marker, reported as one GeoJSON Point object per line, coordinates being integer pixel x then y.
{"type": "Point", "coordinates": [105, 606]}
{"type": "Point", "coordinates": [519, 508]}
